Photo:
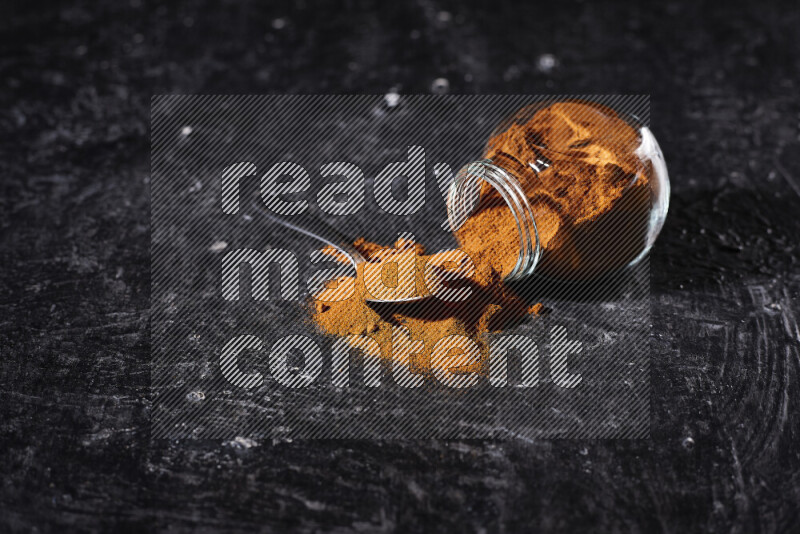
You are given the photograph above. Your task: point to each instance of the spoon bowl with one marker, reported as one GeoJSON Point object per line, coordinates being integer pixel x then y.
{"type": "Point", "coordinates": [325, 233]}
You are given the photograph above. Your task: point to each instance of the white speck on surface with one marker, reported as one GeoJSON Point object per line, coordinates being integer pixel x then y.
{"type": "Point", "coordinates": [218, 246]}
{"type": "Point", "coordinates": [195, 396]}
{"type": "Point", "coordinates": [546, 62]}
{"type": "Point", "coordinates": [279, 23]}
{"type": "Point", "coordinates": [440, 86]}
{"type": "Point", "coordinates": [247, 217]}
{"type": "Point", "coordinates": [197, 186]}
{"type": "Point", "coordinates": [186, 130]}
{"type": "Point", "coordinates": [512, 73]}
{"type": "Point", "coordinates": [392, 99]}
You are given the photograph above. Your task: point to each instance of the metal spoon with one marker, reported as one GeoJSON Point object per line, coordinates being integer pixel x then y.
{"type": "Point", "coordinates": [329, 235]}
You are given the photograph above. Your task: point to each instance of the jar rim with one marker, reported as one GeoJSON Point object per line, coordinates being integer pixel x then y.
{"type": "Point", "coordinates": [460, 206]}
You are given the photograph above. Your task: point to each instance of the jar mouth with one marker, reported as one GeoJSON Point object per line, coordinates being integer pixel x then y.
{"type": "Point", "coordinates": [464, 198]}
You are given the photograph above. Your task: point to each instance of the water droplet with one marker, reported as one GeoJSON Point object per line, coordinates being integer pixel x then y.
{"type": "Point", "coordinates": [279, 23]}
{"type": "Point", "coordinates": [444, 16]}
{"type": "Point", "coordinates": [688, 442]}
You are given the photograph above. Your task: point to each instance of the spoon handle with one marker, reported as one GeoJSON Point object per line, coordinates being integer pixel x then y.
{"type": "Point", "coordinates": [322, 232]}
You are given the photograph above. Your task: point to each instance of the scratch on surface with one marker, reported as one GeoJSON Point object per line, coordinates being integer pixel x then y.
{"type": "Point", "coordinates": [789, 320]}
{"type": "Point", "coordinates": [784, 409]}
{"type": "Point", "coordinates": [741, 493]}
{"type": "Point", "coordinates": [789, 178]}
{"type": "Point", "coordinates": [759, 295]}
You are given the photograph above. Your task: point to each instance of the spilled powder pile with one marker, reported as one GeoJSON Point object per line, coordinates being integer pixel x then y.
{"type": "Point", "coordinates": [490, 307]}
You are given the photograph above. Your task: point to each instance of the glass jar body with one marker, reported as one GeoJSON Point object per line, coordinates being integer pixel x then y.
{"type": "Point", "coordinates": [586, 187]}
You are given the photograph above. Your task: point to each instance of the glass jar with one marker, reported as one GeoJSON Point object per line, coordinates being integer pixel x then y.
{"type": "Point", "coordinates": [587, 187]}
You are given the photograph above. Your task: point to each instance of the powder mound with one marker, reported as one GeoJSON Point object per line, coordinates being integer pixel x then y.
{"type": "Point", "coordinates": [490, 307]}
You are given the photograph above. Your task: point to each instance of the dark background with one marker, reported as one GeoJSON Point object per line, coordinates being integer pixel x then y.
{"type": "Point", "coordinates": [76, 82]}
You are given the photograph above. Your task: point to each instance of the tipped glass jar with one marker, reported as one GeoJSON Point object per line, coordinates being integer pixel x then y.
{"type": "Point", "coordinates": [570, 189]}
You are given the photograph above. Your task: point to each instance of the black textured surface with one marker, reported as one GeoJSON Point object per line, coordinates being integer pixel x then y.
{"type": "Point", "coordinates": [191, 322]}
{"type": "Point", "coordinates": [74, 445]}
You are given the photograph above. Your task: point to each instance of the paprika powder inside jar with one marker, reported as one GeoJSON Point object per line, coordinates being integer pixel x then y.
{"type": "Point", "coordinates": [568, 189]}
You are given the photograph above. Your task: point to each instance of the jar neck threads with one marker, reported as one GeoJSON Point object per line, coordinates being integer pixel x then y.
{"type": "Point", "coordinates": [464, 198]}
